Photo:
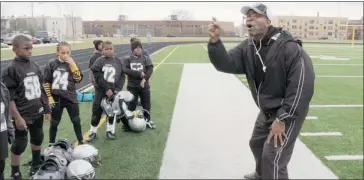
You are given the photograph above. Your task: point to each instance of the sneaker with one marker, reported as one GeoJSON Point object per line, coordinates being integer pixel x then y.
{"type": "Point", "coordinates": [151, 125]}
{"type": "Point", "coordinates": [110, 135]}
{"type": "Point", "coordinates": [16, 176]}
{"type": "Point", "coordinates": [91, 136]}
{"type": "Point", "coordinates": [252, 176]}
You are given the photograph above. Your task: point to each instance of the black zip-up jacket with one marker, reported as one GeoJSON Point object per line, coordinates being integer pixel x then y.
{"type": "Point", "coordinates": [286, 78]}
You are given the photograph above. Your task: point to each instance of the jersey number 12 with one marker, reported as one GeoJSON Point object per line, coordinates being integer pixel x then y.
{"type": "Point", "coordinates": [32, 87]}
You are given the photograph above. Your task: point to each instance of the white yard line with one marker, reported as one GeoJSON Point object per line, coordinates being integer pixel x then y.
{"type": "Point", "coordinates": [209, 138]}
{"type": "Point", "coordinates": [321, 134]}
{"type": "Point", "coordinates": [333, 76]}
{"type": "Point", "coordinates": [311, 118]}
{"type": "Point", "coordinates": [166, 57]}
{"type": "Point", "coordinates": [344, 157]}
{"type": "Point", "coordinates": [336, 106]}
{"type": "Point", "coordinates": [204, 47]}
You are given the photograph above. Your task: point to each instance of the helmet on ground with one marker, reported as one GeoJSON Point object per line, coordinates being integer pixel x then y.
{"type": "Point", "coordinates": [80, 169]}
{"type": "Point", "coordinates": [87, 152]}
{"type": "Point", "coordinates": [138, 123]}
{"type": "Point", "coordinates": [54, 167]}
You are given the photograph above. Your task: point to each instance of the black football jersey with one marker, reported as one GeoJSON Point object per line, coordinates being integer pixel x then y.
{"type": "Point", "coordinates": [59, 75]}
{"type": "Point", "coordinates": [112, 73]}
{"type": "Point", "coordinates": [24, 80]}
{"type": "Point", "coordinates": [133, 66]}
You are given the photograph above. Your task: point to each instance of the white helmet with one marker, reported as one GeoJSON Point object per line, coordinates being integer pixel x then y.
{"type": "Point", "coordinates": [106, 105]}
{"type": "Point", "coordinates": [80, 169]}
{"type": "Point", "coordinates": [138, 123]}
{"type": "Point", "coordinates": [87, 152]}
{"type": "Point", "coordinates": [56, 150]}
{"type": "Point", "coordinates": [119, 104]}
{"type": "Point", "coordinates": [54, 167]}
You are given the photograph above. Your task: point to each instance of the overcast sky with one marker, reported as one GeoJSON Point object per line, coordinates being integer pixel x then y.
{"type": "Point", "coordinates": [223, 11]}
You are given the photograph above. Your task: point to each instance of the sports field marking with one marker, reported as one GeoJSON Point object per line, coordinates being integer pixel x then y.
{"type": "Point", "coordinates": [103, 119]}
{"type": "Point", "coordinates": [344, 157]}
{"type": "Point", "coordinates": [311, 118]}
{"type": "Point", "coordinates": [220, 150]}
{"type": "Point", "coordinates": [337, 106]}
{"type": "Point", "coordinates": [204, 47]}
{"type": "Point", "coordinates": [338, 64]}
{"type": "Point", "coordinates": [169, 54]}
{"type": "Point", "coordinates": [328, 76]}
{"type": "Point", "coordinates": [321, 134]}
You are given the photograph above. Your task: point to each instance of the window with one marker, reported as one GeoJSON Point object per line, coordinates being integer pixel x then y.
{"type": "Point", "coordinates": [311, 27]}
{"type": "Point", "coordinates": [310, 33]}
{"type": "Point", "coordinates": [300, 27]}
{"type": "Point", "coordinates": [342, 27]}
{"type": "Point", "coordinates": [281, 21]}
{"type": "Point", "coordinates": [294, 21]}
{"type": "Point", "coordinates": [294, 27]}
{"type": "Point", "coordinates": [324, 27]}
{"type": "Point", "coordinates": [312, 21]}
{"type": "Point", "coordinates": [331, 22]}
{"type": "Point", "coordinates": [329, 27]}
{"type": "Point", "coordinates": [329, 33]}
{"type": "Point", "coordinates": [342, 22]}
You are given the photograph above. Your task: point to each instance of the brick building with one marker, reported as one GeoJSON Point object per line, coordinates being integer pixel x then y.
{"type": "Point", "coordinates": [156, 28]}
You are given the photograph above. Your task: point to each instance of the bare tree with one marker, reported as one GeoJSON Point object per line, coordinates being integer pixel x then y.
{"type": "Point", "coordinates": [180, 16]}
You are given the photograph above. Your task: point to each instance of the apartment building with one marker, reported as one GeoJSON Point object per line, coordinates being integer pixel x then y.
{"type": "Point", "coordinates": [313, 27]}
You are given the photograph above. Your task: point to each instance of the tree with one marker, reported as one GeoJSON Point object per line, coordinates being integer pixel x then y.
{"type": "Point", "coordinates": [181, 15]}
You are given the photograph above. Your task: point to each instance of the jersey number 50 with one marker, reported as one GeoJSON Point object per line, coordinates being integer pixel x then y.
{"type": "Point", "coordinates": [109, 74]}
{"type": "Point", "coordinates": [60, 80]}
{"type": "Point", "coordinates": [32, 87]}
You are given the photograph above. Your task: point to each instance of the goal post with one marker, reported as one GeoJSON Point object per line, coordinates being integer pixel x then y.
{"type": "Point", "coordinates": [352, 32]}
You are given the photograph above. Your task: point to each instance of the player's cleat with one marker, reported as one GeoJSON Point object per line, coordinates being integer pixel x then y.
{"type": "Point", "coordinates": [16, 176]}
{"type": "Point", "coordinates": [252, 176]}
{"type": "Point", "coordinates": [111, 135]}
{"type": "Point", "coordinates": [151, 125]}
{"type": "Point", "coordinates": [33, 170]}
{"type": "Point", "coordinates": [91, 136]}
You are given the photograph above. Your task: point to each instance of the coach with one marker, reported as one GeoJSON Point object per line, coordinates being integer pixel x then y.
{"type": "Point", "coordinates": [281, 79]}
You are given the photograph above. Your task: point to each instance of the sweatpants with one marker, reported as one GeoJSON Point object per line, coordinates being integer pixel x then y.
{"type": "Point", "coordinates": [271, 162]}
{"type": "Point", "coordinates": [144, 94]}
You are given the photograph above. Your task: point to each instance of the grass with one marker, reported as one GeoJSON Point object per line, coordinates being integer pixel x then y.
{"type": "Point", "coordinates": [139, 155]}
{"type": "Point", "coordinates": [348, 121]}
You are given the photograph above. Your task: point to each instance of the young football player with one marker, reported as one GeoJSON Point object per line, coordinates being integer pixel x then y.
{"type": "Point", "coordinates": [139, 69]}
{"type": "Point", "coordinates": [97, 54]}
{"type": "Point", "coordinates": [60, 78]}
{"type": "Point", "coordinates": [144, 51]}
{"type": "Point", "coordinates": [109, 79]}
{"type": "Point", "coordinates": [28, 104]}
{"type": "Point", "coordinates": [6, 128]}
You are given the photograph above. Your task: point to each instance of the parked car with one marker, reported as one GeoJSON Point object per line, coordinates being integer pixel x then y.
{"type": "Point", "coordinates": [44, 36]}
{"type": "Point", "coordinates": [37, 40]}
{"type": "Point", "coordinates": [8, 39]}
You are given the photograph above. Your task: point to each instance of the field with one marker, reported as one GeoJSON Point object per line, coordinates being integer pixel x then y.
{"type": "Point", "coordinates": [338, 82]}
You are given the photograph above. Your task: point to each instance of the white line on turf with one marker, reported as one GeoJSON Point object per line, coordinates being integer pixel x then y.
{"type": "Point", "coordinates": [344, 157]}
{"type": "Point", "coordinates": [311, 118]}
{"type": "Point", "coordinates": [336, 106]}
{"type": "Point", "coordinates": [321, 134]}
{"type": "Point", "coordinates": [204, 47]}
{"type": "Point", "coordinates": [328, 76]}
{"type": "Point", "coordinates": [166, 57]}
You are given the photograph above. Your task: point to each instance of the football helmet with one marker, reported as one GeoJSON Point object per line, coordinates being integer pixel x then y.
{"type": "Point", "coordinates": [54, 167]}
{"type": "Point", "coordinates": [138, 123]}
{"type": "Point", "coordinates": [89, 153]}
{"type": "Point", "coordinates": [106, 105]}
{"type": "Point", "coordinates": [80, 169]}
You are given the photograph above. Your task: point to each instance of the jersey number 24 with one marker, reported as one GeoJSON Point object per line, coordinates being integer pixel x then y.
{"type": "Point", "coordinates": [60, 80]}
